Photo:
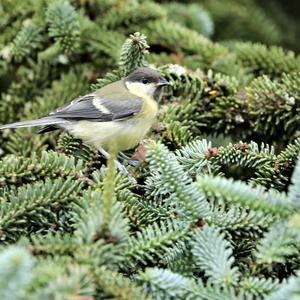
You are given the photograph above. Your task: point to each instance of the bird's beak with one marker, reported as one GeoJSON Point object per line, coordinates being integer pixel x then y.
{"type": "Point", "coordinates": [162, 82]}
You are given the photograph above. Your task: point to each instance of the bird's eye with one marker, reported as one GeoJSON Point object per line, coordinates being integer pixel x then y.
{"type": "Point", "coordinates": [145, 81]}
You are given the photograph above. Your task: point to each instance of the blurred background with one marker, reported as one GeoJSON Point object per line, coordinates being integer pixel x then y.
{"type": "Point", "coordinates": [270, 22]}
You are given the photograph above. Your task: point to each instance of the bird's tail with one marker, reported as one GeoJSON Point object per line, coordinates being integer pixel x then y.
{"type": "Point", "coordinates": [39, 122]}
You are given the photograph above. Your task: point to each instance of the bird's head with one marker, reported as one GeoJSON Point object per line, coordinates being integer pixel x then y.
{"type": "Point", "coordinates": [144, 82]}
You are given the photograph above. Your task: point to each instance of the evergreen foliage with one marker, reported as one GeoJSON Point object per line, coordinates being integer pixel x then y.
{"type": "Point", "coordinates": [213, 211]}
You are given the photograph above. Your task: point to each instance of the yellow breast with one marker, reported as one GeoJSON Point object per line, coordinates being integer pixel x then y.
{"type": "Point", "coordinates": [149, 109]}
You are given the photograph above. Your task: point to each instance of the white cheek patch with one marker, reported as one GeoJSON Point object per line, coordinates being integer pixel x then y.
{"type": "Point", "coordinates": [141, 90]}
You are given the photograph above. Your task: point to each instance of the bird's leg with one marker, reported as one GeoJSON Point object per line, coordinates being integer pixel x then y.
{"type": "Point", "coordinates": [132, 162]}
{"type": "Point", "coordinates": [118, 165]}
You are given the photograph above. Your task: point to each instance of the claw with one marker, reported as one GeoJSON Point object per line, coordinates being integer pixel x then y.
{"type": "Point", "coordinates": [133, 162]}
{"type": "Point", "coordinates": [122, 169]}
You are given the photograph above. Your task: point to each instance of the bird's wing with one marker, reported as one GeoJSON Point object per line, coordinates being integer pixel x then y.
{"type": "Point", "coordinates": [112, 102]}
{"type": "Point", "coordinates": [115, 105]}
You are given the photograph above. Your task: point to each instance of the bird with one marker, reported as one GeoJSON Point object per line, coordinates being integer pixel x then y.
{"type": "Point", "coordinates": [115, 117]}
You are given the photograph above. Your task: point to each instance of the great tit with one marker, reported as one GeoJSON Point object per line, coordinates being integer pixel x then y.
{"type": "Point", "coordinates": [116, 116]}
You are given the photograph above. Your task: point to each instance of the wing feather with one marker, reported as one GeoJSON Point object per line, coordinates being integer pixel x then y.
{"type": "Point", "coordinates": [93, 107]}
{"type": "Point", "coordinates": [112, 102]}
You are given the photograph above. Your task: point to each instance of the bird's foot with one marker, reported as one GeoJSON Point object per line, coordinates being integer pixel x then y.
{"type": "Point", "coordinates": [133, 162]}
{"type": "Point", "coordinates": [123, 158]}
{"type": "Point", "coordinates": [121, 168]}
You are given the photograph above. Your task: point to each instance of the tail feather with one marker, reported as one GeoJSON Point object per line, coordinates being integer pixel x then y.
{"type": "Point", "coordinates": [31, 123]}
